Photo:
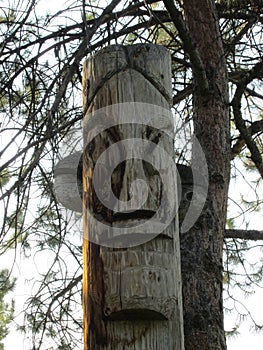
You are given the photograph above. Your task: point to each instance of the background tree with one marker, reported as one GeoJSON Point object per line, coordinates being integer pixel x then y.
{"type": "Point", "coordinates": [217, 76]}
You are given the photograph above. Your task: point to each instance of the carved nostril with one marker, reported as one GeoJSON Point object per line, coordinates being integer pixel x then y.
{"type": "Point", "coordinates": [149, 169]}
{"type": "Point", "coordinates": [189, 195]}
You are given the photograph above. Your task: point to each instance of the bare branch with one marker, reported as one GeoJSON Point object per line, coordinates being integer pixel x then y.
{"type": "Point", "coordinates": [255, 128]}
{"type": "Point", "coordinates": [197, 64]}
{"type": "Point", "coordinates": [245, 133]}
{"type": "Point", "coordinates": [244, 28]}
{"type": "Point", "coordinates": [253, 235]}
{"type": "Point", "coordinates": [181, 95]}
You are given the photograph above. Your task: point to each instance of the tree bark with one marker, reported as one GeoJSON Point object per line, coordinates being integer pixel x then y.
{"type": "Point", "coordinates": [131, 287]}
{"type": "Point", "coordinates": [201, 247]}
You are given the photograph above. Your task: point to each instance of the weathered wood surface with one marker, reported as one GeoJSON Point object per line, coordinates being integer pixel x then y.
{"type": "Point", "coordinates": [131, 295]}
{"type": "Point", "coordinates": [119, 75]}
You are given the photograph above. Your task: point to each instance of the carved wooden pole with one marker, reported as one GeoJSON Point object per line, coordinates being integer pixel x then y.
{"type": "Point", "coordinates": [131, 279]}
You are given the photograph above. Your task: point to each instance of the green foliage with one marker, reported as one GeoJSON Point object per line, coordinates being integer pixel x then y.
{"type": "Point", "coordinates": [240, 4]}
{"type": "Point", "coordinates": [9, 18]}
{"type": "Point", "coordinates": [4, 177]}
{"type": "Point", "coordinates": [6, 309]}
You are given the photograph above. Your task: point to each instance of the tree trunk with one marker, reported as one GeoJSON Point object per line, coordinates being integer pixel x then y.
{"type": "Point", "coordinates": [131, 287]}
{"type": "Point", "coordinates": [201, 247]}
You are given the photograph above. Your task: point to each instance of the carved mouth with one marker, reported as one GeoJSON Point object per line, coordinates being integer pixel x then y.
{"type": "Point", "coordinates": [136, 315]}
{"type": "Point", "coordinates": [134, 215]}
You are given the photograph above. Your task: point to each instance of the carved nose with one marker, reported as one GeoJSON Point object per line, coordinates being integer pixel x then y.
{"type": "Point", "coordinates": [138, 191]}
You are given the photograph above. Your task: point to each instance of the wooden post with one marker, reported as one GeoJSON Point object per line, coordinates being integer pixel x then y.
{"type": "Point", "coordinates": [131, 281]}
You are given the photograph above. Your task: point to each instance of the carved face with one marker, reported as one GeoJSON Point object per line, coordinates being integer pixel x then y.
{"type": "Point", "coordinates": [135, 184]}
{"type": "Point", "coordinates": [129, 172]}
